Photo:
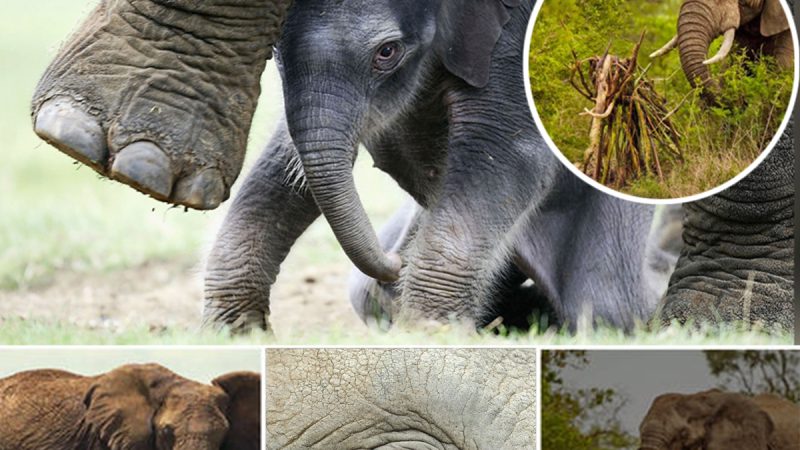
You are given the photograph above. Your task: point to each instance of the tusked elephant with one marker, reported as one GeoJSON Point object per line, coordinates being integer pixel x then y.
{"type": "Point", "coordinates": [349, 399]}
{"type": "Point", "coordinates": [133, 407]}
{"type": "Point", "coordinates": [760, 26]}
{"type": "Point", "coordinates": [718, 420]}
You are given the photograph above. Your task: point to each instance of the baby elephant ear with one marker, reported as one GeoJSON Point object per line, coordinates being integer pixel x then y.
{"type": "Point", "coordinates": [467, 32]}
{"type": "Point", "coordinates": [120, 406]}
{"type": "Point", "coordinates": [773, 19]}
{"type": "Point", "coordinates": [244, 409]}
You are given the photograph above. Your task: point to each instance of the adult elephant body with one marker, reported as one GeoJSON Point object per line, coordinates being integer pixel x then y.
{"type": "Point", "coordinates": [433, 90]}
{"type": "Point", "coordinates": [134, 407]}
{"type": "Point", "coordinates": [760, 26]}
{"type": "Point", "coordinates": [717, 420]}
{"type": "Point", "coordinates": [348, 399]}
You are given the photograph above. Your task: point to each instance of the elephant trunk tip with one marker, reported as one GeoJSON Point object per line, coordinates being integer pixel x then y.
{"type": "Point", "coordinates": [386, 270]}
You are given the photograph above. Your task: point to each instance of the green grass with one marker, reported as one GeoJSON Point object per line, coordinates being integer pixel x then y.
{"type": "Point", "coordinates": [717, 143]}
{"type": "Point", "coordinates": [18, 332]}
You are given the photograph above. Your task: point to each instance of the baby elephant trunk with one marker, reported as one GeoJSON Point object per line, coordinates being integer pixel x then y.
{"type": "Point", "coordinates": [325, 137]}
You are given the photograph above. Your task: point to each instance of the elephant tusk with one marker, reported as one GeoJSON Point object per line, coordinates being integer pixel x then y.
{"type": "Point", "coordinates": [724, 49]}
{"type": "Point", "coordinates": [666, 48]}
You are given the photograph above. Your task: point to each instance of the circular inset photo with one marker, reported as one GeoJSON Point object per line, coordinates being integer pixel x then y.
{"type": "Point", "coordinates": [662, 101]}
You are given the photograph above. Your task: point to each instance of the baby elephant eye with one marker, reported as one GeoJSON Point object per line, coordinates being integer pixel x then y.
{"type": "Point", "coordinates": [387, 56]}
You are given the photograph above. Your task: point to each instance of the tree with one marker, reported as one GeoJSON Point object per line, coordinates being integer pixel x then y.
{"type": "Point", "coordinates": [582, 418]}
{"type": "Point", "coordinates": [757, 371]}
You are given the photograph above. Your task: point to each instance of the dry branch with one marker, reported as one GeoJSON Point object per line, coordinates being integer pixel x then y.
{"type": "Point", "coordinates": [631, 134]}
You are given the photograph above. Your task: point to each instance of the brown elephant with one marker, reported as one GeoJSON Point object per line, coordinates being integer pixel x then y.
{"type": "Point", "coordinates": [133, 407]}
{"type": "Point", "coordinates": [718, 420]}
{"type": "Point", "coordinates": [757, 25]}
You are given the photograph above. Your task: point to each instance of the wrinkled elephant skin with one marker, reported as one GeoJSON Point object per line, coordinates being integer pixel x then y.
{"type": "Point", "coordinates": [717, 420]}
{"type": "Point", "coordinates": [133, 407]}
{"type": "Point", "coordinates": [348, 399]}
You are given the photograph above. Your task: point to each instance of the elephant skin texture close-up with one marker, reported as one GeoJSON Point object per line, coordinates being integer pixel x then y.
{"type": "Point", "coordinates": [348, 399]}
{"type": "Point", "coordinates": [759, 26]}
{"type": "Point", "coordinates": [496, 227]}
{"type": "Point", "coordinates": [717, 420]}
{"type": "Point", "coordinates": [133, 407]}
{"type": "Point", "coordinates": [737, 261]}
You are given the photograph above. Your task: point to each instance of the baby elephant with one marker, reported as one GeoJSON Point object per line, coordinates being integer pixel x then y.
{"type": "Point", "coordinates": [133, 407]}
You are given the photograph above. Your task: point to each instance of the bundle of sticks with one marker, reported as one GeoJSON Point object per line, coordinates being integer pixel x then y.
{"type": "Point", "coordinates": [631, 134]}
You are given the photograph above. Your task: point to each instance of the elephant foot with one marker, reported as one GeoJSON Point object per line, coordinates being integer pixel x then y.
{"type": "Point", "coordinates": [233, 320]}
{"type": "Point", "coordinates": [160, 94]}
{"type": "Point", "coordinates": [757, 300]}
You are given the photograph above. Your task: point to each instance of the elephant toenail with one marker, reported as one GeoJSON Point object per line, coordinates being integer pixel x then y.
{"type": "Point", "coordinates": [203, 190]}
{"type": "Point", "coordinates": [145, 167]}
{"type": "Point", "coordinates": [73, 131]}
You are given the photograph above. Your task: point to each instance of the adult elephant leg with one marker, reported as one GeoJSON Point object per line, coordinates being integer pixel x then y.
{"type": "Point", "coordinates": [374, 301]}
{"type": "Point", "coordinates": [738, 259]}
{"type": "Point", "coordinates": [270, 212]}
{"type": "Point", "coordinates": [160, 94]}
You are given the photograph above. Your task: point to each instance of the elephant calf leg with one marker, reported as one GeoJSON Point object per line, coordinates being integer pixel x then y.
{"type": "Point", "coordinates": [265, 219]}
{"type": "Point", "coordinates": [160, 94]}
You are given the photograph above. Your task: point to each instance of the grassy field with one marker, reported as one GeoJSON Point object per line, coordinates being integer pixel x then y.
{"type": "Point", "coordinates": [16, 332]}
{"type": "Point", "coordinates": [717, 143]}
{"type": "Point", "coordinates": [85, 260]}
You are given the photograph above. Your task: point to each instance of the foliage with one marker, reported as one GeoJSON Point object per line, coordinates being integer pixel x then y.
{"type": "Point", "coordinates": [717, 143]}
{"type": "Point", "coordinates": [757, 371]}
{"type": "Point", "coordinates": [581, 418]}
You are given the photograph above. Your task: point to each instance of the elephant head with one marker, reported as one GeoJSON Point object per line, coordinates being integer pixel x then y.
{"type": "Point", "coordinates": [702, 21]}
{"type": "Point", "coordinates": [709, 420]}
{"type": "Point", "coordinates": [337, 75]}
{"type": "Point", "coordinates": [141, 407]}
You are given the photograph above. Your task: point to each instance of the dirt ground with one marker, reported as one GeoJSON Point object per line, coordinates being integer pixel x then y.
{"type": "Point", "coordinates": [168, 295]}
